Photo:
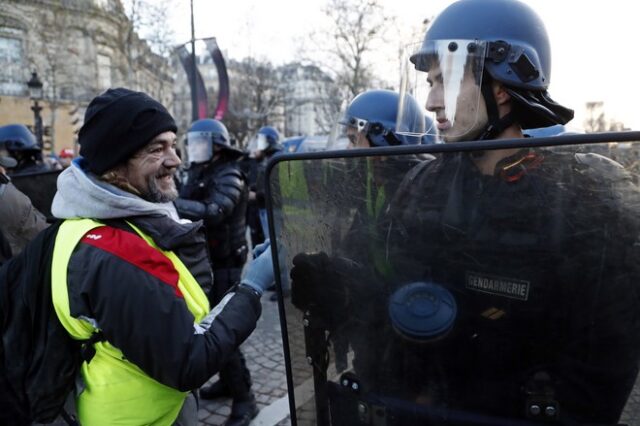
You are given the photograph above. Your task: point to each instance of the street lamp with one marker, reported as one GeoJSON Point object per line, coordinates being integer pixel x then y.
{"type": "Point", "coordinates": [35, 93]}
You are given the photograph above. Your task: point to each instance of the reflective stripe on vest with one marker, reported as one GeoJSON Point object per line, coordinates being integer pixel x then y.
{"type": "Point", "coordinates": [118, 392]}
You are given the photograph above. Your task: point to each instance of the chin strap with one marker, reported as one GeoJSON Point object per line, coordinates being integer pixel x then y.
{"type": "Point", "coordinates": [495, 125]}
{"type": "Point", "coordinates": [391, 138]}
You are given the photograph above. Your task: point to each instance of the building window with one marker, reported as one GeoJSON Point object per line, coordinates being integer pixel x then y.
{"type": "Point", "coordinates": [104, 71]}
{"type": "Point", "coordinates": [66, 92]}
{"type": "Point", "coordinates": [12, 68]}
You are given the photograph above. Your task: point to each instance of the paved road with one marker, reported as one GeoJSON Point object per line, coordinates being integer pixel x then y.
{"type": "Point", "coordinates": [265, 360]}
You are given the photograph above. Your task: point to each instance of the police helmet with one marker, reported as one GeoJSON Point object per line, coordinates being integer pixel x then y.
{"type": "Point", "coordinates": [268, 140]}
{"type": "Point", "coordinates": [485, 41]}
{"type": "Point", "coordinates": [205, 133]}
{"type": "Point", "coordinates": [17, 138]}
{"type": "Point", "coordinates": [374, 114]}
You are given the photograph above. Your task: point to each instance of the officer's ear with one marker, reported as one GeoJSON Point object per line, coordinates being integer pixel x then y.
{"type": "Point", "coordinates": [500, 94]}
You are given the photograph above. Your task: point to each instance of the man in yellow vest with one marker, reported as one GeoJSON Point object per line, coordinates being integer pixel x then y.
{"type": "Point", "coordinates": [124, 265]}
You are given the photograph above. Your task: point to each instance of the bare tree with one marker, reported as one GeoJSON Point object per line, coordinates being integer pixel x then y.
{"type": "Point", "coordinates": [355, 28]}
{"type": "Point", "coordinates": [256, 98]}
{"type": "Point", "coordinates": [56, 56]}
{"type": "Point", "coordinates": [597, 120]}
{"type": "Point", "coordinates": [407, 36]}
{"type": "Point", "coordinates": [308, 91]}
{"type": "Point", "coordinates": [148, 21]}
{"type": "Point", "coordinates": [345, 46]}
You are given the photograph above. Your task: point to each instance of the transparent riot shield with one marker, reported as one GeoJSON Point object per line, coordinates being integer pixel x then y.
{"type": "Point", "coordinates": [462, 283]}
{"type": "Point", "coordinates": [39, 187]}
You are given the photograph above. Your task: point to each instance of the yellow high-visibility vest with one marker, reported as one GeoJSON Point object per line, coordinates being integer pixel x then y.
{"type": "Point", "coordinates": [117, 392]}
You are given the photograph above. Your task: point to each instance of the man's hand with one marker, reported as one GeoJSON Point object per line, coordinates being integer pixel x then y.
{"type": "Point", "coordinates": [259, 273]}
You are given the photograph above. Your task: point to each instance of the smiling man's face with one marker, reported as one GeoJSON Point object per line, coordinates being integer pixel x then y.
{"type": "Point", "coordinates": [151, 169]}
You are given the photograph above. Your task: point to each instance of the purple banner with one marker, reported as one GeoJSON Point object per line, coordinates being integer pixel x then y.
{"type": "Point", "coordinates": [199, 102]}
{"type": "Point", "coordinates": [223, 78]}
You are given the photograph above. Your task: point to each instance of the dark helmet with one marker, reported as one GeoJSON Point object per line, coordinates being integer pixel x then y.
{"type": "Point", "coordinates": [518, 54]}
{"type": "Point", "coordinates": [509, 44]}
{"type": "Point", "coordinates": [272, 135]}
{"type": "Point", "coordinates": [268, 139]}
{"type": "Point", "coordinates": [17, 138]}
{"type": "Point", "coordinates": [374, 113]}
{"type": "Point", "coordinates": [205, 133]}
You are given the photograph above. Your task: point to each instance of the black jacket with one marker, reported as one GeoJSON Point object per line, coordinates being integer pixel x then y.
{"type": "Point", "coordinates": [217, 193]}
{"type": "Point", "coordinates": [541, 259]}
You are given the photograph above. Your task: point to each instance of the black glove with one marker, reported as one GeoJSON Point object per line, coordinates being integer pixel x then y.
{"type": "Point", "coordinates": [325, 286]}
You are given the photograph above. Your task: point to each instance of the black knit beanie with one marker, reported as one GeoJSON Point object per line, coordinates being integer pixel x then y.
{"type": "Point", "coordinates": [117, 124]}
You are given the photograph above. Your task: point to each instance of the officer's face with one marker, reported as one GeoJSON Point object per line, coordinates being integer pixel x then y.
{"type": "Point", "coordinates": [356, 139]}
{"type": "Point", "coordinates": [151, 169]}
{"type": "Point", "coordinates": [470, 115]}
{"type": "Point", "coordinates": [217, 150]}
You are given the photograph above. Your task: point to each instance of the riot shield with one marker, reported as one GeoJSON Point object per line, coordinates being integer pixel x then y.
{"type": "Point", "coordinates": [39, 187]}
{"type": "Point", "coordinates": [463, 283]}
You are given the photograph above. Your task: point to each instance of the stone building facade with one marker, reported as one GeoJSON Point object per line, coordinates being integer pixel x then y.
{"type": "Point", "coordinates": [311, 100]}
{"type": "Point", "coordinates": [79, 48]}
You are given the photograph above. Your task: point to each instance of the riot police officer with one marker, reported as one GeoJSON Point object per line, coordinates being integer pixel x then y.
{"type": "Point", "coordinates": [22, 145]}
{"type": "Point", "coordinates": [265, 144]}
{"type": "Point", "coordinates": [512, 284]}
{"type": "Point", "coordinates": [370, 121]}
{"type": "Point", "coordinates": [216, 192]}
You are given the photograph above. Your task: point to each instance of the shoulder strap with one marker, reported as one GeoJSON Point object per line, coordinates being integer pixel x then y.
{"type": "Point", "coordinates": [70, 233]}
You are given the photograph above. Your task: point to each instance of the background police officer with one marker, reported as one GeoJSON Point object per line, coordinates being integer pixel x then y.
{"type": "Point", "coordinates": [22, 145]}
{"type": "Point", "coordinates": [265, 145]}
{"type": "Point", "coordinates": [216, 192]}
{"type": "Point", "coordinates": [370, 121]}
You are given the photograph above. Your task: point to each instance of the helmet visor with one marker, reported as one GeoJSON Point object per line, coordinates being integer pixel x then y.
{"type": "Point", "coordinates": [199, 149]}
{"type": "Point", "coordinates": [258, 143]}
{"type": "Point", "coordinates": [445, 77]}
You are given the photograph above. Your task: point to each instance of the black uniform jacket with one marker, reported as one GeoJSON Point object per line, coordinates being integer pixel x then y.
{"type": "Point", "coordinates": [542, 260]}
{"type": "Point", "coordinates": [217, 194]}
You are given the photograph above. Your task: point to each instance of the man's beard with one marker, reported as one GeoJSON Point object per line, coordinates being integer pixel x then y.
{"type": "Point", "coordinates": [156, 195]}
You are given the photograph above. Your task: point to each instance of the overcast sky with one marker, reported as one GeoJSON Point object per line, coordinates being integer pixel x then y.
{"type": "Point", "coordinates": [595, 44]}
